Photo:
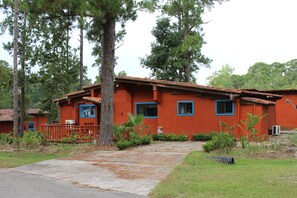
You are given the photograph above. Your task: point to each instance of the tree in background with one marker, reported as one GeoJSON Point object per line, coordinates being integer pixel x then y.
{"type": "Point", "coordinates": [222, 78]}
{"type": "Point", "coordinates": [6, 84]}
{"type": "Point", "coordinates": [260, 76]}
{"type": "Point", "coordinates": [15, 71]}
{"type": "Point", "coordinates": [179, 35]}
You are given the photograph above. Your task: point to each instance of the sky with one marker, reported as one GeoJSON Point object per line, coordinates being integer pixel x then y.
{"type": "Point", "coordinates": [238, 33]}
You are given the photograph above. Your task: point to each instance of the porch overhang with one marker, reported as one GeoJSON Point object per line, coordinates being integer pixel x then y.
{"type": "Point", "coordinates": [93, 99]}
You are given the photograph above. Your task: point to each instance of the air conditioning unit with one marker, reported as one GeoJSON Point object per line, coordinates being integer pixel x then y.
{"type": "Point", "coordinates": [275, 130]}
{"type": "Point", "coordinates": [69, 121]}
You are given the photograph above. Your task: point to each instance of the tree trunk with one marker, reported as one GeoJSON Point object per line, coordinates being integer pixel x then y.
{"type": "Point", "coordinates": [23, 85]}
{"type": "Point", "coordinates": [107, 82]}
{"type": "Point", "coordinates": [15, 70]}
{"type": "Point", "coordinates": [187, 53]}
{"type": "Point", "coordinates": [81, 49]}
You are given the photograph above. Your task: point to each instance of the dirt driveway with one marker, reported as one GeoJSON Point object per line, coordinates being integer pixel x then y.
{"type": "Point", "coordinates": [135, 171]}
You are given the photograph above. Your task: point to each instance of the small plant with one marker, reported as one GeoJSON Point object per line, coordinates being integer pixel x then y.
{"type": "Point", "coordinates": [249, 129]}
{"type": "Point", "coordinates": [123, 144]}
{"type": "Point", "coordinates": [170, 137]}
{"type": "Point", "coordinates": [6, 138]}
{"type": "Point", "coordinates": [159, 137]}
{"type": "Point", "coordinates": [222, 141]}
{"type": "Point", "coordinates": [145, 140]}
{"type": "Point", "coordinates": [201, 137]}
{"type": "Point", "coordinates": [32, 139]}
{"type": "Point", "coordinates": [126, 135]}
{"type": "Point", "coordinates": [182, 138]}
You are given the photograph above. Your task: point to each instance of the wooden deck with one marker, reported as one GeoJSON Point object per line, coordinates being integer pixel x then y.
{"type": "Point", "coordinates": [70, 132]}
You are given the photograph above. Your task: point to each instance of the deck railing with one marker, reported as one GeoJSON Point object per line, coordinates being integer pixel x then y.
{"type": "Point", "coordinates": [70, 132]}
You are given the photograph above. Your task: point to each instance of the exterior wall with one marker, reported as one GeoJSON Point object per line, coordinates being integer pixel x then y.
{"type": "Point", "coordinates": [286, 114]}
{"type": "Point", "coordinates": [204, 119]}
{"type": "Point", "coordinates": [38, 121]}
{"type": "Point", "coordinates": [68, 112]}
{"type": "Point", "coordinates": [6, 126]}
{"type": "Point", "coordinates": [263, 125]}
{"type": "Point", "coordinates": [144, 94]}
{"type": "Point", "coordinates": [123, 104]}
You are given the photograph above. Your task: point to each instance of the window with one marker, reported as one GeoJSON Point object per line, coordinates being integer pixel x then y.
{"type": "Point", "coordinates": [31, 126]}
{"type": "Point", "coordinates": [224, 107]}
{"type": "Point", "coordinates": [185, 108]}
{"type": "Point", "coordinates": [87, 111]}
{"type": "Point", "coordinates": [148, 109]}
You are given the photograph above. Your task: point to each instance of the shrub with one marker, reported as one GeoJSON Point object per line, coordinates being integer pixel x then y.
{"type": "Point", "coordinates": [201, 137]}
{"type": "Point", "coordinates": [221, 141]}
{"type": "Point", "coordinates": [32, 139]}
{"type": "Point", "coordinates": [208, 146]}
{"type": "Point", "coordinates": [182, 138]}
{"type": "Point", "coordinates": [6, 138]}
{"type": "Point", "coordinates": [123, 144]}
{"type": "Point", "coordinates": [169, 137]}
{"type": "Point", "coordinates": [159, 137]}
{"type": "Point", "coordinates": [145, 140]}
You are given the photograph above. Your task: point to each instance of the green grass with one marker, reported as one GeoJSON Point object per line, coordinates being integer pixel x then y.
{"type": "Point", "coordinates": [198, 176]}
{"type": "Point", "coordinates": [27, 156]}
{"type": "Point", "coordinates": [13, 159]}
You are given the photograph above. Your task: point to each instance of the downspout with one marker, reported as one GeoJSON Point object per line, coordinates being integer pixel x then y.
{"type": "Point", "coordinates": [238, 116]}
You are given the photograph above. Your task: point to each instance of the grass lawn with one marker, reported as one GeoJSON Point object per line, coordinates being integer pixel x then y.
{"type": "Point", "coordinates": [199, 176]}
{"type": "Point", "coordinates": [12, 158]}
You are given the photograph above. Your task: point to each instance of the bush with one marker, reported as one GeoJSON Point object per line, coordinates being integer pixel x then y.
{"type": "Point", "coordinates": [169, 137]}
{"type": "Point", "coordinates": [182, 138]}
{"type": "Point", "coordinates": [70, 140]}
{"type": "Point", "coordinates": [123, 144]}
{"type": "Point", "coordinates": [145, 140]}
{"type": "Point", "coordinates": [208, 146]}
{"type": "Point", "coordinates": [32, 139]}
{"type": "Point", "coordinates": [6, 138]}
{"type": "Point", "coordinates": [159, 137]}
{"type": "Point", "coordinates": [221, 141]}
{"type": "Point", "coordinates": [201, 137]}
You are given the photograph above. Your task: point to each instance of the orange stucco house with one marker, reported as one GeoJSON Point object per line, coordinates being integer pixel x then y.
{"type": "Point", "coordinates": [286, 109]}
{"type": "Point", "coordinates": [36, 119]}
{"type": "Point", "coordinates": [171, 107]}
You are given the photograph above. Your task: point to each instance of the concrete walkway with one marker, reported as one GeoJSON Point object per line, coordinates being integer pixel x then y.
{"type": "Point", "coordinates": [135, 171]}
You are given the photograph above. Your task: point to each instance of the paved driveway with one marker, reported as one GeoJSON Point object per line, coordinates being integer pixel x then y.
{"type": "Point", "coordinates": [135, 171]}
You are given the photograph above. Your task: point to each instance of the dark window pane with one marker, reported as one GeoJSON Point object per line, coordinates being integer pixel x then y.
{"type": "Point", "coordinates": [148, 110]}
{"type": "Point", "coordinates": [185, 108]}
{"type": "Point", "coordinates": [224, 107]}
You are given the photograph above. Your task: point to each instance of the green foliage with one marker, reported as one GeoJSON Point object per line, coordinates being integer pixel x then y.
{"type": "Point", "coordinates": [32, 139]}
{"type": "Point", "coordinates": [260, 76]}
{"type": "Point", "coordinates": [249, 130]}
{"type": "Point", "coordinates": [5, 85]}
{"type": "Point", "coordinates": [6, 138]}
{"type": "Point", "coordinates": [170, 137]}
{"type": "Point", "coordinates": [176, 53]}
{"type": "Point", "coordinates": [222, 78]}
{"type": "Point", "coordinates": [201, 137]}
{"type": "Point", "coordinates": [221, 141]}
{"type": "Point", "coordinates": [127, 134]}
{"type": "Point", "coordinates": [123, 144]}
{"type": "Point", "coordinates": [71, 140]}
